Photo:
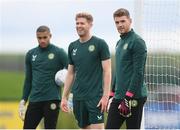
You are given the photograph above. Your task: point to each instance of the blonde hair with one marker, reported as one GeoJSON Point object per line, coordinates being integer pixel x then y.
{"type": "Point", "coordinates": [85, 15]}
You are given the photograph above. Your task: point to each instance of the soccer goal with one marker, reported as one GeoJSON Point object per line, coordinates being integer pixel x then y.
{"type": "Point", "coordinates": [160, 27]}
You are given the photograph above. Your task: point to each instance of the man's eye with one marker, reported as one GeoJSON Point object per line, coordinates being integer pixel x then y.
{"type": "Point", "coordinates": [42, 37]}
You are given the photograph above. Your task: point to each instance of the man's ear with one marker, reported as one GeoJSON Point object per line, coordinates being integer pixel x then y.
{"type": "Point", "coordinates": [91, 24]}
{"type": "Point", "coordinates": [130, 20]}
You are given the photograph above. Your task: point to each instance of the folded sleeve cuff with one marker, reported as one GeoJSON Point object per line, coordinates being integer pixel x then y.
{"type": "Point", "coordinates": [111, 94]}
{"type": "Point", "coordinates": [129, 94]}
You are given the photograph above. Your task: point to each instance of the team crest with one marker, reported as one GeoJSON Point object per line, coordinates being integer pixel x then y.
{"type": "Point", "coordinates": [53, 106]}
{"type": "Point", "coordinates": [134, 103]}
{"type": "Point", "coordinates": [91, 48]}
{"type": "Point", "coordinates": [125, 46]}
{"type": "Point", "coordinates": [51, 56]}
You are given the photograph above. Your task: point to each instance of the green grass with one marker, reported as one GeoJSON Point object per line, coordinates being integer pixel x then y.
{"type": "Point", "coordinates": [66, 120]}
{"type": "Point", "coordinates": [11, 84]}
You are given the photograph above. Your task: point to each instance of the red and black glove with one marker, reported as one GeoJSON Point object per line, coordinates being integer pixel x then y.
{"type": "Point", "coordinates": [125, 105]}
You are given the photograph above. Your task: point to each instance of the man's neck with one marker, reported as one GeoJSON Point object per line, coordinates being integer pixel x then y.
{"type": "Point", "coordinates": [85, 38]}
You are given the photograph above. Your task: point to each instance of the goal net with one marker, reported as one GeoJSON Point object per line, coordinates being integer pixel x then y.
{"type": "Point", "coordinates": [161, 31]}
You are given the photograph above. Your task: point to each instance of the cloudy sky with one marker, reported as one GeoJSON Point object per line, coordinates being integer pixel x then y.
{"type": "Point", "coordinates": [20, 18]}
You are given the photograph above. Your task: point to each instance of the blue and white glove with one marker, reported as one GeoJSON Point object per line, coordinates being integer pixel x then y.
{"type": "Point", "coordinates": [70, 102]}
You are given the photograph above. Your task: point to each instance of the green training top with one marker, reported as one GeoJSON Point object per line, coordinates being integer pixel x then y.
{"type": "Point", "coordinates": [41, 67]}
{"type": "Point", "coordinates": [86, 58]}
{"type": "Point", "coordinates": [131, 53]}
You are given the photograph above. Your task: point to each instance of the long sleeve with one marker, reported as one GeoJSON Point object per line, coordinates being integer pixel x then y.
{"type": "Point", "coordinates": [139, 59]}
{"type": "Point", "coordinates": [28, 77]}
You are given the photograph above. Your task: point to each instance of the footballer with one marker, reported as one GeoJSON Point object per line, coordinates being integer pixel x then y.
{"type": "Point", "coordinates": [130, 89]}
{"type": "Point", "coordinates": [40, 90]}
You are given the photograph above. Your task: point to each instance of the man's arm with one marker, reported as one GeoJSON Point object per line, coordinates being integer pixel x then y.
{"type": "Point", "coordinates": [27, 86]}
{"type": "Point", "coordinates": [112, 91]}
{"type": "Point", "coordinates": [28, 78]}
{"type": "Point", "coordinates": [113, 84]}
{"type": "Point", "coordinates": [106, 65]}
{"type": "Point", "coordinates": [67, 87]}
{"type": "Point", "coordinates": [139, 59]}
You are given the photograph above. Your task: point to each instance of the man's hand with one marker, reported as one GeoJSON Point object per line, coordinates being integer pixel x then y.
{"type": "Point", "coordinates": [64, 105]}
{"type": "Point", "coordinates": [22, 109]}
{"type": "Point", "coordinates": [125, 107]}
{"type": "Point", "coordinates": [103, 103]}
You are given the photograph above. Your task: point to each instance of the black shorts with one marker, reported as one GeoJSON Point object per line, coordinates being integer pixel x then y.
{"type": "Point", "coordinates": [115, 120]}
{"type": "Point", "coordinates": [37, 110]}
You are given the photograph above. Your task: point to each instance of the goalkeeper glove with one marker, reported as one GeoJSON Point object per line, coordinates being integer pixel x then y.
{"type": "Point", "coordinates": [70, 102]}
{"type": "Point", "coordinates": [125, 105]}
{"type": "Point", "coordinates": [22, 109]}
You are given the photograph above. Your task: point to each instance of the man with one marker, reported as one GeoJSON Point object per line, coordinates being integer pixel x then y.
{"type": "Point", "coordinates": [42, 63]}
{"type": "Point", "coordinates": [130, 90]}
{"type": "Point", "coordinates": [89, 74]}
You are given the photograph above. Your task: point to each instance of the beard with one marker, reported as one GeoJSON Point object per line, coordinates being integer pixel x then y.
{"type": "Point", "coordinates": [43, 45]}
{"type": "Point", "coordinates": [81, 33]}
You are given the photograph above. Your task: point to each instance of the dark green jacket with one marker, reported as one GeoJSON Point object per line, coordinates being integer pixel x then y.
{"type": "Point", "coordinates": [130, 57]}
{"type": "Point", "coordinates": [41, 67]}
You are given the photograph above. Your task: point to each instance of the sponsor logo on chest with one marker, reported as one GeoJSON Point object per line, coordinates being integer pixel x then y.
{"type": "Point", "coordinates": [34, 57]}
{"type": "Point", "coordinates": [74, 52]}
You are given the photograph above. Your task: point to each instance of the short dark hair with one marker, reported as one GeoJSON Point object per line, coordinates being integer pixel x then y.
{"type": "Point", "coordinates": [85, 15]}
{"type": "Point", "coordinates": [121, 12]}
{"type": "Point", "coordinates": [43, 28]}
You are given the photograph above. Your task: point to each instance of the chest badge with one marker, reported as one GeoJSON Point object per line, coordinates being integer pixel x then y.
{"type": "Point", "coordinates": [34, 57]}
{"type": "Point", "coordinates": [51, 56]}
{"type": "Point", "coordinates": [74, 52]}
{"type": "Point", "coordinates": [91, 48]}
{"type": "Point", "coordinates": [125, 46]}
